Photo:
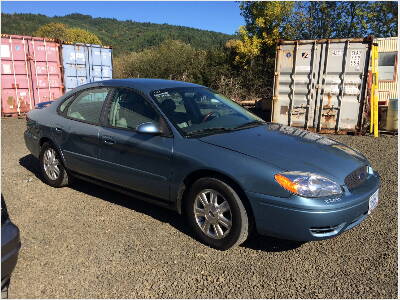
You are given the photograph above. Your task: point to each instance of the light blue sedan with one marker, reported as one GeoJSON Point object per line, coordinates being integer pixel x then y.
{"type": "Point", "coordinates": [190, 149]}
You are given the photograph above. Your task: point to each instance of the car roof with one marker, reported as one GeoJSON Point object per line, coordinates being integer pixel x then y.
{"type": "Point", "coordinates": [146, 85]}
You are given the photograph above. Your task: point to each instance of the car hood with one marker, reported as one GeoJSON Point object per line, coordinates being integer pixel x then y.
{"type": "Point", "coordinates": [292, 149]}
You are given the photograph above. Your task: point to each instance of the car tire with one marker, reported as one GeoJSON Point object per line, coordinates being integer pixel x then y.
{"type": "Point", "coordinates": [51, 165]}
{"type": "Point", "coordinates": [4, 291]}
{"type": "Point", "coordinates": [216, 214]}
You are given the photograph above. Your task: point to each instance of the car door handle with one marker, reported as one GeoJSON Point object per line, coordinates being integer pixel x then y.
{"type": "Point", "coordinates": [58, 129]}
{"type": "Point", "coordinates": [108, 140]}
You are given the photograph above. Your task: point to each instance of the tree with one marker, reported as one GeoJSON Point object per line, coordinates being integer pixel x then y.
{"type": "Point", "coordinates": [77, 35]}
{"type": "Point", "coordinates": [345, 19]}
{"type": "Point", "coordinates": [170, 60]}
{"type": "Point", "coordinates": [53, 31]}
{"type": "Point", "coordinates": [63, 32]}
{"type": "Point", "coordinates": [384, 18]}
{"type": "Point", "coordinates": [123, 36]}
{"type": "Point", "coordinates": [266, 22]}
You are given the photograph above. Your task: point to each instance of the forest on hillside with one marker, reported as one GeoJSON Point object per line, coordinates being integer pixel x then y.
{"type": "Point", "coordinates": [240, 66]}
{"type": "Point", "coordinates": [123, 36]}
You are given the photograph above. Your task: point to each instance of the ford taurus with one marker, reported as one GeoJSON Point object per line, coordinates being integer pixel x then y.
{"type": "Point", "coordinates": [189, 148]}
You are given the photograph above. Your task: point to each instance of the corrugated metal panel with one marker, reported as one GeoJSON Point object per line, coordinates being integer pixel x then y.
{"type": "Point", "coordinates": [100, 62]}
{"type": "Point", "coordinates": [387, 44]}
{"type": "Point", "coordinates": [45, 70]}
{"type": "Point", "coordinates": [320, 84]}
{"type": "Point", "coordinates": [74, 64]}
{"type": "Point", "coordinates": [16, 83]}
{"type": "Point", "coordinates": [387, 90]}
{"type": "Point", "coordinates": [85, 63]}
{"type": "Point", "coordinates": [31, 72]}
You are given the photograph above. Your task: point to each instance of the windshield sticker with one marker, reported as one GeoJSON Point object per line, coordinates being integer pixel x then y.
{"type": "Point", "coordinates": [161, 94]}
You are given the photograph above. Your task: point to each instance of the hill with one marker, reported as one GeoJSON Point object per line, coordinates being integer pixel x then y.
{"type": "Point", "coordinates": [124, 36]}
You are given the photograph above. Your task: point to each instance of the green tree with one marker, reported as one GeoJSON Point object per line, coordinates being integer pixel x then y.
{"type": "Point", "coordinates": [170, 60]}
{"type": "Point", "coordinates": [345, 19]}
{"type": "Point", "coordinates": [383, 21]}
{"type": "Point", "coordinates": [123, 36]}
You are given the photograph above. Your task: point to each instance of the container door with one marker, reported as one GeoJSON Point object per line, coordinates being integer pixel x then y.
{"type": "Point", "coordinates": [100, 63]}
{"type": "Point", "coordinates": [75, 66]}
{"type": "Point", "coordinates": [16, 92]}
{"type": "Point", "coordinates": [340, 85]}
{"type": "Point", "coordinates": [297, 68]}
{"type": "Point", "coordinates": [45, 69]}
{"type": "Point", "coordinates": [320, 85]}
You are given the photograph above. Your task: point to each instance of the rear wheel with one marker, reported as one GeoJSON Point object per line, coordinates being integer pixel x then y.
{"type": "Point", "coordinates": [53, 170]}
{"type": "Point", "coordinates": [4, 290]}
{"type": "Point", "coordinates": [216, 214]}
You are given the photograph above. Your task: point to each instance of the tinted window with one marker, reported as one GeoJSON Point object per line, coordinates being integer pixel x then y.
{"type": "Point", "coordinates": [386, 65]}
{"type": "Point", "coordinates": [198, 110]}
{"type": "Point", "coordinates": [65, 103]}
{"type": "Point", "coordinates": [87, 105]}
{"type": "Point", "coordinates": [128, 110]}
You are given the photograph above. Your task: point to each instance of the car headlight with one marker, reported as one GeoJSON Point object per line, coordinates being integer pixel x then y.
{"type": "Point", "coordinates": [308, 184]}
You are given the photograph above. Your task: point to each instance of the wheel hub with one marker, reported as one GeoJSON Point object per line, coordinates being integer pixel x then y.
{"type": "Point", "coordinates": [213, 214]}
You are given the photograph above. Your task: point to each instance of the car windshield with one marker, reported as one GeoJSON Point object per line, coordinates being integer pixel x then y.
{"type": "Point", "coordinates": [199, 111]}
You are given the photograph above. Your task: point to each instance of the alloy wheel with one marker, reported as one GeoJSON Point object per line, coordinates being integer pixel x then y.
{"type": "Point", "coordinates": [213, 214]}
{"type": "Point", "coordinates": [51, 164]}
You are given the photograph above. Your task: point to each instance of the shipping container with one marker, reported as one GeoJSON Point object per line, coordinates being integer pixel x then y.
{"type": "Point", "coordinates": [84, 63]}
{"type": "Point", "coordinates": [31, 72]}
{"type": "Point", "coordinates": [321, 84]}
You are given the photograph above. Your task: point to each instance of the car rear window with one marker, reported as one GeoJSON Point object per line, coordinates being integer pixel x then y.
{"type": "Point", "coordinates": [87, 105]}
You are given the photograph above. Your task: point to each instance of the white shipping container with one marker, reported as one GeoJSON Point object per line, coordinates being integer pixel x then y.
{"type": "Point", "coordinates": [321, 84]}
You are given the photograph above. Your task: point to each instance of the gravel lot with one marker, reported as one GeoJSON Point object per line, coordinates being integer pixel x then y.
{"type": "Point", "coordinates": [85, 241]}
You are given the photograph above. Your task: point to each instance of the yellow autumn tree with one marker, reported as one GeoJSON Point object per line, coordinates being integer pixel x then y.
{"type": "Point", "coordinates": [78, 35]}
{"type": "Point", "coordinates": [65, 33]}
{"type": "Point", "coordinates": [53, 31]}
{"type": "Point", "coordinates": [266, 22]}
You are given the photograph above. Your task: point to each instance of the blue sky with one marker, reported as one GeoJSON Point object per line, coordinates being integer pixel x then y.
{"type": "Point", "coordinates": [223, 16]}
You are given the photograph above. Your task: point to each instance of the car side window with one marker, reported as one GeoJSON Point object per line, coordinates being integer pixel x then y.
{"type": "Point", "coordinates": [87, 105]}
{"type": "Point", "coordinates": [66, 103]}
{"type": "Point", "coordinates": [129, 109]}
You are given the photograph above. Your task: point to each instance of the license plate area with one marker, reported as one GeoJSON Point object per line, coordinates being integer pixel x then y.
{"type": "Point", "coordinates": [373, 201]}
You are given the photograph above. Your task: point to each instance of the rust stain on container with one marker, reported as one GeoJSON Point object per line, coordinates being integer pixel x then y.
{"type": "Point", "coordinates": [322, 82]}
{"type": "Point", "coordinates": [30, 72]}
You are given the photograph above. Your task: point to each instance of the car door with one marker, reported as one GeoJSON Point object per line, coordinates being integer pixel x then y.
{"type": "Point", "coordinates": [134, 160]}
{"type": "Point", "coordinates": [77, 131]}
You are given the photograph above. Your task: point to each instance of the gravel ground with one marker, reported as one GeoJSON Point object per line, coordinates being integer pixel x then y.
{"type": "Point", "coordinates": [85, 241]}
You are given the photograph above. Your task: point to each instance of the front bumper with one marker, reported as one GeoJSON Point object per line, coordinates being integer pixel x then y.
{"type": "Point", "coordinates": [303, 219]}
{"type": "Point", "coordinates": [10, 245]}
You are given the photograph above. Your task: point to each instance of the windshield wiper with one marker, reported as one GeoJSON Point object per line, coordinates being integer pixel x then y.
{"type": "Point", "coordinates": [249, 124]}
{"type": "Point", "coordinates": [210, 130]}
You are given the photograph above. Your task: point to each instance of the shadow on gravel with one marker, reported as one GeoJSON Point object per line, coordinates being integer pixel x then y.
{"type": "Point", "coordinates": [270, 244]}
{"type": "Point", "coordinates": [31, 163]}
{"type": "Point", "coordinates": [255, 242]}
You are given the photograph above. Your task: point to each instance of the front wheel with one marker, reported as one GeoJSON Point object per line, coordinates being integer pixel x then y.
{"type": "Point", "coordinates": [216, 214]}
{"type": "Point", "coordinates": [53, 170]}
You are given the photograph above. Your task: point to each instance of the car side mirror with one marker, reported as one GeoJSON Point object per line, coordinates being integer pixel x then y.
{"type": "Point", "coordinates": [149, 127]}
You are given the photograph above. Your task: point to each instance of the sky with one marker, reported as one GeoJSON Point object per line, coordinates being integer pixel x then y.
{"type": "Point", "coordinates": [222, 16]}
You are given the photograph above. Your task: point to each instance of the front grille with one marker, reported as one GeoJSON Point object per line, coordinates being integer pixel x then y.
{"type": "Point", "coordinates": [356, 178]}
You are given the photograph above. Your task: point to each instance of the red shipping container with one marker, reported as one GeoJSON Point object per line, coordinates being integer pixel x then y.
{"type": "Point", "coordinates": [30, 73]}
